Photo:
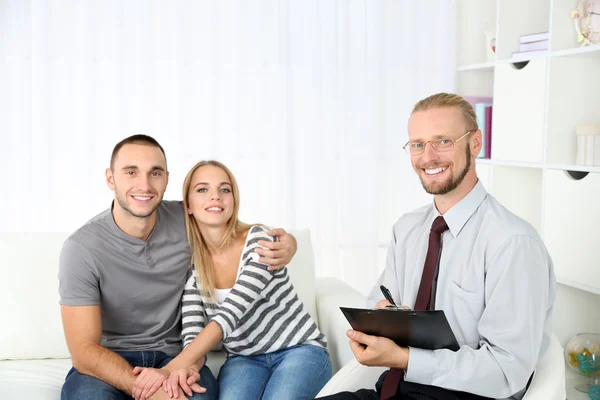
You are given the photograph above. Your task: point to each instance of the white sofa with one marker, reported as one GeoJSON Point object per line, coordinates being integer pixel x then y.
{"type": "Point", "coordinates": [34, 359]}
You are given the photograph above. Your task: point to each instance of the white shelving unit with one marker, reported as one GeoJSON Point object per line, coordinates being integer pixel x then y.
{"type": "Point", "coordinates": [537, 104]}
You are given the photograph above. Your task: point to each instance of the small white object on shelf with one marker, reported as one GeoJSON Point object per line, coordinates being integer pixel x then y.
{"type": "Point", "coordinates": [588, 144]}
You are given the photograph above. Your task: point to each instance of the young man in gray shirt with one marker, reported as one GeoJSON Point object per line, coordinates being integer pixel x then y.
{"type": "Point", "coordinates": [122, 276]}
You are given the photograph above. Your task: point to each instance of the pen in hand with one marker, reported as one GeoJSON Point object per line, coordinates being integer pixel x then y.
{"type": "Point", "coordinates": [388, 295]}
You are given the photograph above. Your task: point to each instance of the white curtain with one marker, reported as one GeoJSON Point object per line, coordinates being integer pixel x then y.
{"type": "Point", "coordinates": [305, 100]}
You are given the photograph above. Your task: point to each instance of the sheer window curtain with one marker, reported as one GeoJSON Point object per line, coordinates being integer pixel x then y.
{"type": "Point", "coordinates": [305, 100]}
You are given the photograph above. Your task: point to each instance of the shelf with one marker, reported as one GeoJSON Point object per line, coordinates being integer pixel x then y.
{"type": "Point", "coordinates": [582, 168]}
{"type": "Point", "coordinates": [489, 66]}
{"type": "Point", "coordinates": [561, 167]}
{"type": "Point", "coordinates": [517, 18]}
{"type": "Point", "coordinates": [524, 58]}
{"type": "Point", "coordinates": [575, 51]}
{"type": "Point", "coordinates": [477, 67]}
{"type": "Point", "coordinates": [577, 285]}
{"type": "Point", "coordinates": [517, 164]}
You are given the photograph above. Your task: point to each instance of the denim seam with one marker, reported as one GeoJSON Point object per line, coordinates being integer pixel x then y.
{"type": "Point", "coordinates": [327, 362]}
{"type": "Point", "coordinates": [262, 391]}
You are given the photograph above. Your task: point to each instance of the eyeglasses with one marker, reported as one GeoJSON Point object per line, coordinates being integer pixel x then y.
{"type": "Point", "coordinates": [444, 144]}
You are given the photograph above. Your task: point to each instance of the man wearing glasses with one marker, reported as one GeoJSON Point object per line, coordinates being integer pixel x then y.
{"type": "Point", "coordinates": [467, 255]}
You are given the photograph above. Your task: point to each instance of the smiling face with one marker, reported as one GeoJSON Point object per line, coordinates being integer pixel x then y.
{"type": "Point", "coordinates": [442, 172]}
{"type": "Point", "coordinates": [210, 196]}
{"type": "Point", "coordinates": [139, 179]}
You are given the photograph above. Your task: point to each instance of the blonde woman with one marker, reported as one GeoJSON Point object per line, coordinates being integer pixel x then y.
{"type": "Point", "coordinates": [274, 348]}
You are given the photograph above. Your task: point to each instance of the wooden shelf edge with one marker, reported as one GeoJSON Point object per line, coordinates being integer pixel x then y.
{"type": "Point", "coordinates": [577, 285]}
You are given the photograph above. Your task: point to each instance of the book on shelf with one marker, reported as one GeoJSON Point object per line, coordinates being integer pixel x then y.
{"type": "Point", "coordinates": [476, 102]}
{"type": "Point", "coordinates": [527, 55]}
{"type": "Point", "coordinates": [484, 122]}
{"type": "Point", "coordinates": [535, 37]}
{"type": "Point", "coordinates": [531, 46]}
{"type": "Point", "coordinates": [488, 132]}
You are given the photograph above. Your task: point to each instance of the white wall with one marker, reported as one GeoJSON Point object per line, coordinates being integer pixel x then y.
{"type": "Point", "coordinates": [305, 100]}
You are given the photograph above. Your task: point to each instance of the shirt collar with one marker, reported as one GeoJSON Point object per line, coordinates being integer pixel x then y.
{"type": "Point", "coordinates": [130, 239]}
{"type": "Point", "coordinates": [457, 216]}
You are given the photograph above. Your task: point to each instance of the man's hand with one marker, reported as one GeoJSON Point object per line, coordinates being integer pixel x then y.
{"type": "Point", "coordinates": [280, 253]}
{"type": "Point", "coordinates": [382, 304]}
{"type": "Point", "coordinates": [185, 379]}
{"type": "Point", "coordinates": [376, 351]}
{"type": "Point", "coordinates": [385, 303]}
{"type": "Point", "coordinates": [148, 381]}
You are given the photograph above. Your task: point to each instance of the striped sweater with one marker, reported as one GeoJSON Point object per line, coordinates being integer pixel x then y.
{"type": "Point", "coordinates": [261, 314]}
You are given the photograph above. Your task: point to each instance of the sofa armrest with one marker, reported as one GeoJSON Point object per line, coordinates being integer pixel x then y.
{"type": "Point", "coordinates": [548, 381]}
{"type": "Point", "coordinates": [351, 378]}
{"type": "Point", "coordinates": [331, 295]}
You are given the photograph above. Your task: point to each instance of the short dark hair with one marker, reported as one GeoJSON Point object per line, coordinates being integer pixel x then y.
{"type": "Point", "coordinates": [135, 139]}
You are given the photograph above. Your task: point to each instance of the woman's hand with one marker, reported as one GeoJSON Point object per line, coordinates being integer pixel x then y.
{"type": "Point", "coordinates": [277, 254]}
{"type": "Point", "coordinates": [185, 379]}
{"type": "Point", "coordinates": [148, 381]}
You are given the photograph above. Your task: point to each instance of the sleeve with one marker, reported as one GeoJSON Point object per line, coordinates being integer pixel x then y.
{"type": "Point", "coordinates": [252, 281]}
{"type": "Point", "coordinates": [388, 278]}
{"type": "Point", "coordinates": [518, 296]}
{"type": "Point", "coordinates": [79, 284]}
{"type": "Point", "coordinates": [192, 311]}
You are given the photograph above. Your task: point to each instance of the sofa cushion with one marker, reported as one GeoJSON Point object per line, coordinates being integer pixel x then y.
{"type": "Point", "coordinates": [33, 379]}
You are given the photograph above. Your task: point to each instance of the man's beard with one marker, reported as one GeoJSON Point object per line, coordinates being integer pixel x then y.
{"type": "Point", "coordinates": [452, 182]}
{"type": "Point", "coordinates": [125, 207]}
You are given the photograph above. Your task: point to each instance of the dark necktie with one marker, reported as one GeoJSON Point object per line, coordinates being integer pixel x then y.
{"type": "Point", "coordinates": [391, 381]}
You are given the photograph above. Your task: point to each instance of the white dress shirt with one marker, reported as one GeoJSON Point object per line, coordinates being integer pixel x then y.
{"type": "Point", "coordinates": [496, 285]}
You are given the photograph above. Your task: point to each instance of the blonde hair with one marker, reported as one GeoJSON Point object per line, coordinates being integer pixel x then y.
{"type": "Point", "coordinates": [201, 257]}
{"type": "Point", "coordinates": [450, 100]}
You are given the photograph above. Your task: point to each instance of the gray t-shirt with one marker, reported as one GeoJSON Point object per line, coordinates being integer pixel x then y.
{"type": "Point", "coordinates": [137, 284]}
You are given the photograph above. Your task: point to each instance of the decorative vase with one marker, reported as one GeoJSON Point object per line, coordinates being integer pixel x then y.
{"type": "Point", "coordinates": [582, 354]}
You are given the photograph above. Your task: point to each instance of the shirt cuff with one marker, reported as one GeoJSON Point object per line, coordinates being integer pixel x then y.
{"type": "Point", "coordinates": [219, 320]}
{"type": "Point", "coordinates": [421, 366]}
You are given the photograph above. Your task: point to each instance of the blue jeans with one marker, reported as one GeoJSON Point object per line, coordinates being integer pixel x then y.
{"type": "Point", "coordinates": [84, 387]}
{"type": "Point", "coordinates": [298, 372]}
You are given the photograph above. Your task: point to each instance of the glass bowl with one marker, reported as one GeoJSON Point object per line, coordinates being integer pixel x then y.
{"type": "Point", "coordinates": [582, 354]}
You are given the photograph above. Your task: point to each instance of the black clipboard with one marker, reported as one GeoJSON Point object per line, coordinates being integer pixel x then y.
{"type": "Point", "coordinates": [421, 329]}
